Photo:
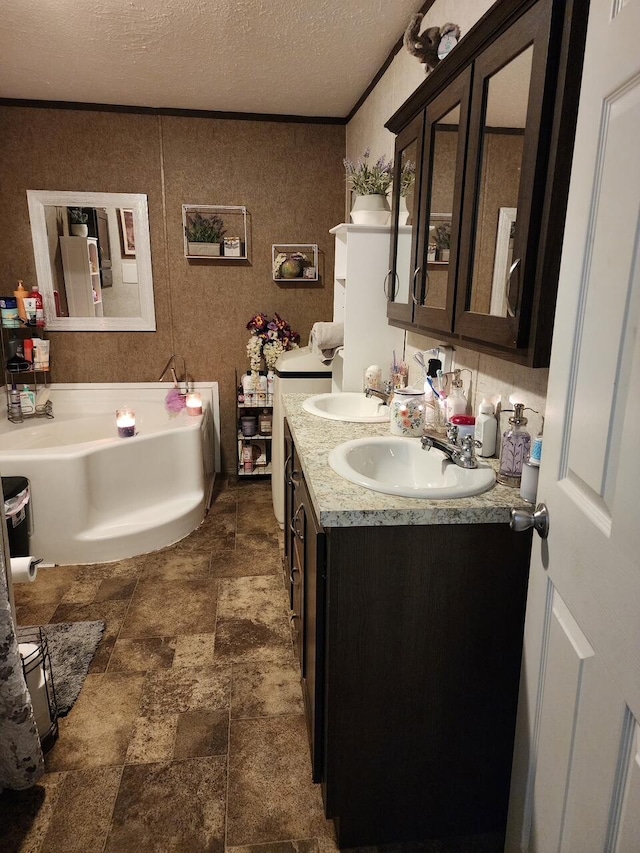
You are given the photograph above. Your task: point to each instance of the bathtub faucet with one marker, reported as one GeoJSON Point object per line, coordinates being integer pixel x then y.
{"type": "Point", "coordinates": [170, 367]}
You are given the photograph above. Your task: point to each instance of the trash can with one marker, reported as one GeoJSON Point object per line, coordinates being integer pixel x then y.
{"type": "Point", "coordinates": [16, 509]}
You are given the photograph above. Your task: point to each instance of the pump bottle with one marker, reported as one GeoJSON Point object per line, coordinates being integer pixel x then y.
{"type": "Point", "coordinates": [456, 401]}
{"type": "Point", "coordinates": [515, 448]}
{"type": "Point", "coordinates": [35, 294]}
{"type": "Point", "coordinates": [486, 430]}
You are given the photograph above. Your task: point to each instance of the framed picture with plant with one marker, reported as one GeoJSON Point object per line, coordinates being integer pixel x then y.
{"type": "Point", "coordinates": [294, 261]}
{"type": "Point", "coordinates": [215, 231]}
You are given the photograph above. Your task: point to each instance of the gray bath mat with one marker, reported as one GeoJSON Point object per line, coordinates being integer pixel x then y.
{"type": "Point", "coordinates": [72, 646]}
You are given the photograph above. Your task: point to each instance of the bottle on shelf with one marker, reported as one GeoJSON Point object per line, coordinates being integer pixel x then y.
{"type": "Point", "coordinates": [35, 294]}
{"type": "Point", "coordinates": [15, 409]}
{"type": "Point", "coordinates": [456, 401]}
{"type": "Point", "coordinates": [265, 422]}
{"type": "Point", "coordinates": [20, 292]}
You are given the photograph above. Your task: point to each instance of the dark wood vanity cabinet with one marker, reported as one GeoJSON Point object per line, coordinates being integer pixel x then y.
{"type": "Point", "coordinates": [493, 127]}
{"type": "Point", "coordinates": [411, 641]}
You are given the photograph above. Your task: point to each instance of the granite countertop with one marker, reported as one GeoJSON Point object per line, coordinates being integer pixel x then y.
{"type": "Point", "coordinates": [339, 503]}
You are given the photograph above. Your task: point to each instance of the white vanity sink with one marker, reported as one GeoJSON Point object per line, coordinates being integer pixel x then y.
{"type": "Point", "coordinates": [347, 406]}
{"type": "Point", "coordinates": [400, 466]}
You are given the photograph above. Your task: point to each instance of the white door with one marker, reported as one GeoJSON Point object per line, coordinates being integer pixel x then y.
{"type": "Point", "coordinates": [576, 780]}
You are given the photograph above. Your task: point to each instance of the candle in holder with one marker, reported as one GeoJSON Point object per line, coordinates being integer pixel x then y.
{"type": "Point", "coordinates": [194, 403]}
{"type": "Point", "coordinates": [126, 422]}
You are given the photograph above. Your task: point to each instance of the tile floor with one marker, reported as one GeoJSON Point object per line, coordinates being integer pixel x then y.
{"type": "Point", "coordinates": [188, 735]}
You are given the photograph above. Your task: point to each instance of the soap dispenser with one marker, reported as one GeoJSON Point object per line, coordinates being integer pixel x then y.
{"type": "Point", "coordinates": [456, 401]}
{"type": "Point", "coordinates": [515, 448]}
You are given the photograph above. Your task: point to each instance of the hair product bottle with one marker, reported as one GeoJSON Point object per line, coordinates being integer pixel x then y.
{"type": "Point", "coordinates": [20, 292]}
{"type": "Point", "coordinates": [486, 430]}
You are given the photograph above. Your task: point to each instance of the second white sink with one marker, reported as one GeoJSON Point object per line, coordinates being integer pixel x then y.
{"type": "Point", "coordinates": [400, 466]}
{"type": "Point", "coordinates": [347, 406]}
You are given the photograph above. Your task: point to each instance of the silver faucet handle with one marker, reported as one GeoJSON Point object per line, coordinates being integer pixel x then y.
{"type": "Point", "coordinates": [452, 433]}
{"type": "Point", "coordinates": [468, 444]}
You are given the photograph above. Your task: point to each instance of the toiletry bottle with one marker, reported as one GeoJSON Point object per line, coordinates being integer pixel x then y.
{"type": "Point", "coordinates": [35, 294]}
{"type": "Point", "coordinates": [515, 448]}
{"type": "Point", "coordinates": [486, 428]}
{"type": "Point", "coordinates": [15, 410]}
{"type": "Point", "coordinates": [20, 292]}
{"type": "Point", "coordinates": [264, 422]}
{"type": "Point", "coordinates": [27, 400]}
{"type": "Point", "coordinates": [456, 401]}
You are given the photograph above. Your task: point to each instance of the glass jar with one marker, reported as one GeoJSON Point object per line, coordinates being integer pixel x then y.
{"type": "Point", "coordinates": [407, 412]}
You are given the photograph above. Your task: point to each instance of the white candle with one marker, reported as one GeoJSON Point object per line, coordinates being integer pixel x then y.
{"type": "Point", "coordinates": [126, 422]}
{"type": "Point", "coordinates": [194, 403]}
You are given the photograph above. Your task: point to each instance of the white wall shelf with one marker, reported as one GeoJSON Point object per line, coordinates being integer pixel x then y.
{"type": "Point", "coordinates": [233, 245]}
{"type": "Point", "coordinates": [305, 255]}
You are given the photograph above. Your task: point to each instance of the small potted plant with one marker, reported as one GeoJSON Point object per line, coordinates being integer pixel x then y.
{"type": "Point", "coordinates": [79, 219]}
{"type": "Point", "coordinates": [371, 184]}
{"type": "Point", "coordinates": [204, 235]}
{"type": "Point", "coordinates": [442, 239]}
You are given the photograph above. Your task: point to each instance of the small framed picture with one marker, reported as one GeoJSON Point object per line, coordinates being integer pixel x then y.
{"type": "Point", "coordinates": [310, 272]}
{"type": "Point", "coordinates": [431, 252]}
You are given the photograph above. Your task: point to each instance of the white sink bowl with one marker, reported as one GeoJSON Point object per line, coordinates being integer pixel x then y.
{"type": "Point", "coordinates": [347, 406]}
{"type": "Point", "coordinates": [400, 466]}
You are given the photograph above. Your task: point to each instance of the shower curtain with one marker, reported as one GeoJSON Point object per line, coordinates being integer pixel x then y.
{"type": "Point", "coordinates": [21, 760]}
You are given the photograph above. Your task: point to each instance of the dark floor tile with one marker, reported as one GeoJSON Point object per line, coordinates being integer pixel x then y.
{"type": "Point", "coordinates": [143, 654]}
{"type": "Point", "coordinates": [177, 806]}
{"type": "Point", "coordinates": [169, 608]}
{"type": "Point", "coordinates": [265, 689]}
{"type": "Point", "coordinates": [115, 589]}
{"type": "Point", "coordinates": [256, 517]}
{"type": "Point", "coordinates": [174, 691]}
{"type": "Point", "coordinates": [202, 733]}
{"type": "Point", "coordinates": [271, 795]}
{"type": "Point", "coordinates": [82, 815]}
{"type": "Point", "coordinates": [308, 845]}
{"type": "Point", "coordinates": [25, 815]}
{"type": "Point", "coordinates": [251, 624]}
{"type": "Point", "coordinates": [174, 565]}
{"type": "Point", "coordinates": [49, 587]}
{"type": "Point", "coordinates": [34, 614]}
{"type": "Point", "coordinates": [194, 651]}
{"type": "Point", "coordinates": [98, 729]}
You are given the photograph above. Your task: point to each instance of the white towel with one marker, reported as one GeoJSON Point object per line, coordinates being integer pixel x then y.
{"type": "Point", "coordinates": [326, 339]}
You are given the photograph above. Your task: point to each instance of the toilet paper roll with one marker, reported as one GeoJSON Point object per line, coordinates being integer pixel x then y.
{"type": "Point", "coordinates": [24, 569]}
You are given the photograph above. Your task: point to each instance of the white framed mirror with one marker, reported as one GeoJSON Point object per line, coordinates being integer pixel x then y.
{"type": "Point", "coordinates": [93, 260]}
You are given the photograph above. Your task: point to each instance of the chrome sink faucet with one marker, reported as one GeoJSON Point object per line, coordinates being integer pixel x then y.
{"type": "Point", "coordinates": [463, 454]}
{"type": "Point", "coordinates": [385, 395]}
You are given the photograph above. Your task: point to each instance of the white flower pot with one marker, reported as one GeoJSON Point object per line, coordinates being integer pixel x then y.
{"type": "Point", "coordinates": [207, 249]}
{"type": "Point", "coordinates": [403, 211]}
{"type": "Point", "coordinates": [79, 230]}
{"type": "Point", "coordinates": [370, 210]}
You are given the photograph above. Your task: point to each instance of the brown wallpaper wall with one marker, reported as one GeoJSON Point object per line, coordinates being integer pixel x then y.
{"type": "Point", "coordinates": [289, 176]}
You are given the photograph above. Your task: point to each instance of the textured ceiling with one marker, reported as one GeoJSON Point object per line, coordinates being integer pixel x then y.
{"type": "Point", "coordinates": [300, 57]}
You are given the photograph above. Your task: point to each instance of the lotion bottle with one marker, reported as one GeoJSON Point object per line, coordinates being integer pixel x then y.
{"type": "Point", "coordinates": [515, 448]}
{"type": "Point", "coordinates": [486, 430]}
{"type": "Point", "coordinates": [20, 292]}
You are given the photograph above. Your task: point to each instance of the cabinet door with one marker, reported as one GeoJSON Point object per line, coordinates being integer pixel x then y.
{"type": "Point", "coordinates": [402, 279]}
{"type": "Point", "coordinates": [506, 165]}
{"type": "Point", "coordinates": [313, 631]}
{"type": "Point", "coordinates": [289, 467]}
{"type": "Point", "coordinates": [443, 157]}
{"type": "Point", "coordinates": [297, 578]}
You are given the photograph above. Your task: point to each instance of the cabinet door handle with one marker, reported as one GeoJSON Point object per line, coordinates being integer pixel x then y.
{"type": "Point", "coordinates": [416, 273]}
{"type": "Point", "coordinates": [512, 307]}
{"type": "Point", "coordinates": [293, 524]}
{"type": "Point", "coordinates": [287, 476]}
{"type": "Point", "coordinates": [384, 285]}
{"type": "Point", "coordinates": [426, 287]}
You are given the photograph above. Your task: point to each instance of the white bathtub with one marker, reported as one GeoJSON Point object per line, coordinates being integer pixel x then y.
{"type": "Point", "coordinates": [96, 497]}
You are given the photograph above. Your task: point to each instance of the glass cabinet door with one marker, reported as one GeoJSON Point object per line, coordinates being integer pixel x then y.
{"type": "Point", "coordinates": [400, 282]}
{"type": "Point", "coordinates": [443, 157]}
{"type": "Point", "coordinates": [507, 116]}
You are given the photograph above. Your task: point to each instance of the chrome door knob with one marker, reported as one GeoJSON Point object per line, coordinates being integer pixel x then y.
{"type": "Point", "coordinates": [523, 519]}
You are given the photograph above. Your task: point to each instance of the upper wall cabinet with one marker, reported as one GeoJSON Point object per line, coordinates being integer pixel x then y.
{"type": "Point", "coordinates": [491, 130]}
